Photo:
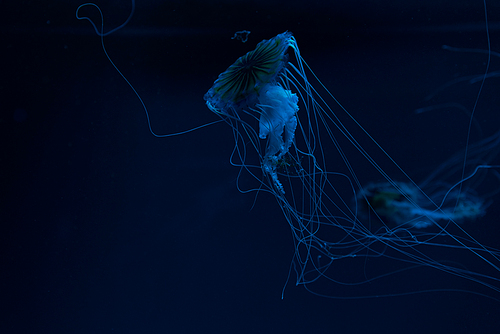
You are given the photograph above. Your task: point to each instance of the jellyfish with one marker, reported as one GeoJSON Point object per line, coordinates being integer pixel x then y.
{"type": "Point", "coordinates": [251, 82]}
{"type": "Point", "coordinates": [305, 140]}
{"type": "Point", "coordinates": [351, 238]}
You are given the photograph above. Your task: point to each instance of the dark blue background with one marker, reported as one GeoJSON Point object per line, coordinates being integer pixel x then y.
{"type": "Point", "coordinates": [107, 229]}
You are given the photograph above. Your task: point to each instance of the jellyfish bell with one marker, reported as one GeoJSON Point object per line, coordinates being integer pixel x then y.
{"type": "Point", "coordinates": [243, 81]}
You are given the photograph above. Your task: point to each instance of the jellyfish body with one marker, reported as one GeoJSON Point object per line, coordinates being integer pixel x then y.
{"type": "Point", "coordinates": [251, 82]}
{"type": "Point", "coordinates": [305, 163]}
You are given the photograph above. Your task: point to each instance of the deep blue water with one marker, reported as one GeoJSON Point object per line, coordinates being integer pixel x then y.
{"type": "Point", "coordinates": [107, 229]}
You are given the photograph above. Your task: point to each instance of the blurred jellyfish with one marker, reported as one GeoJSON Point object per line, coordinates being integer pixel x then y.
{"type": "Point", "coordinates": [393, 203]}
{"type": "Point", "coordinates": [438, 201]}
{"type": "Point", "coordinates": [305, 152]}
